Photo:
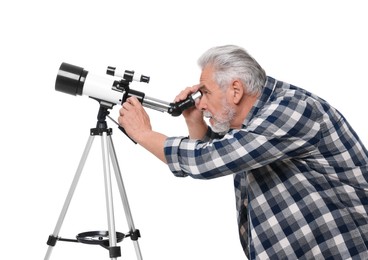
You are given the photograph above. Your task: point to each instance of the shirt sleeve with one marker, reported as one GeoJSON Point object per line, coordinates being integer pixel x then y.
{"type": "Point", "coordinates": [279, 131]}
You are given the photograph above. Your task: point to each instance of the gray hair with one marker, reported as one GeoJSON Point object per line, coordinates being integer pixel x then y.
{"type": "Point", "coordinates": [231, 62]}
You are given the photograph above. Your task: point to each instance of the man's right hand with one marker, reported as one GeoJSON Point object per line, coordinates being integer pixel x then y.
{"type": "Point", "coordinates": [193, 116]}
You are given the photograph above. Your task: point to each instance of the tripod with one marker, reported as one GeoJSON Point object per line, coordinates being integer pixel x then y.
{"type": "Point", "coordinates": [107, 239]}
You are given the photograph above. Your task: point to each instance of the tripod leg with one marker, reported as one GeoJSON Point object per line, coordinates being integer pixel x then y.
{"type": "Point", "coordinates": [109, 197]}
{"type": "Point", "coordinates": [53, 238]}
{"type": "Point", "coordinates": [123, 196]}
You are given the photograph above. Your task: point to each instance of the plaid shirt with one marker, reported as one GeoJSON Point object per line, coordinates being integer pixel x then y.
{"type": "Point", "coordinates": [300, 176]}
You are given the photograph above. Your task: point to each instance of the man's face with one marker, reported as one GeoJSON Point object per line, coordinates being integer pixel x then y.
{"type": "Point", "coordinates": [214, 103]}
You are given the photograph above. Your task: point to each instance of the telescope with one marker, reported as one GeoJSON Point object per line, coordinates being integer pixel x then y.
{"type": "Point", "coordinates": [111, 91]}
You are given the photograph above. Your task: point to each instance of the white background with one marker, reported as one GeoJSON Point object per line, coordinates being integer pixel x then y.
{"type": "Point", "coordinates": [317, 45]}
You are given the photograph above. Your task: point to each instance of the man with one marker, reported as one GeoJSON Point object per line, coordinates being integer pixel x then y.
{"type": "Point", "coordinates": [300, 171]}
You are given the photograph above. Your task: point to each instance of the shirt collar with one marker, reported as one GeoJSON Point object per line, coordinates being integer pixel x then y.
{"type": "Point", "coordinates": [268, 89]}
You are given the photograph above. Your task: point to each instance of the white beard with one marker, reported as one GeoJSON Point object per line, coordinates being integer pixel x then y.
{"type": "Point", "coordinates": [221, 123]}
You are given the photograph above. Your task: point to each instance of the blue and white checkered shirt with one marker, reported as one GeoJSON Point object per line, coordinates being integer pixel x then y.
{"type": "Point", "coordinates": [300, 176]}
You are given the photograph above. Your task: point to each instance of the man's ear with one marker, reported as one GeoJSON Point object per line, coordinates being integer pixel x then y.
{"type": "Point", "coordinates": [237, 91]}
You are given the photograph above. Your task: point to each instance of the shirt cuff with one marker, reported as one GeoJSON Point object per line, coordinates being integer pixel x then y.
{"type": "Point", "coordinates": [171, 149]}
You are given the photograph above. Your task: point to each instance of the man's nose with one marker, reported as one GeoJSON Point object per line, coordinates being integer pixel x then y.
{"type": "Point", "coordinates": [201, 103]}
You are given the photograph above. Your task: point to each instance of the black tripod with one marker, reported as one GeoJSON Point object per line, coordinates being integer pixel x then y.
{"type": "Point", "coordinates": [107, 239]}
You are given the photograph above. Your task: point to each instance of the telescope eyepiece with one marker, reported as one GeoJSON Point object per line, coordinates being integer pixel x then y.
{"type": "Point", "coordinates": [177, 108]}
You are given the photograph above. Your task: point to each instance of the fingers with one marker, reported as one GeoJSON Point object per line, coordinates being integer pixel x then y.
{"type": "Point", "coordinates": [186, 92]}
{"type": "Point", "coordinates": [121, 116]}
{"type": "Point", "coordinates": [127, 106]}
{"type": "Point", "coordinates": [130, 103]}
{"type": "Point", "coordinates": [133, 118]}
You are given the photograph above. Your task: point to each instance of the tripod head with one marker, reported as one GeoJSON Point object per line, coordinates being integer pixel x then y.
{"type": "Point", "coordinates": [103, 112]}
{"type": "Point", "coordinates": [101, 125]}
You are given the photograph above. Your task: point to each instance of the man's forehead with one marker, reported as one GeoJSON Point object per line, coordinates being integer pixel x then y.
{"type": "Point", "coordinates": [207, 73]}
{"type": "Point", "coordinates": [207, 77]}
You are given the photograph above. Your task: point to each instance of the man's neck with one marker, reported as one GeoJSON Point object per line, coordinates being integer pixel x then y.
{"type": "Point", "coordinates": [243, 109]}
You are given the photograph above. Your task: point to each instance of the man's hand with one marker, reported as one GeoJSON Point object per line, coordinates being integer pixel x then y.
{"type": "Point", "coordinates": [197, 127]}
{"type": "Point", "coordinates": [136, 123]}
{"type": "Point", "coordinates": [190, 114]}
{"type": "Point", "coordinates": [134, 119]}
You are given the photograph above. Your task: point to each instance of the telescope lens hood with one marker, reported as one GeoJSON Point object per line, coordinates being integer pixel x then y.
{"type": "Point", "coordinates": [70, 79]}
